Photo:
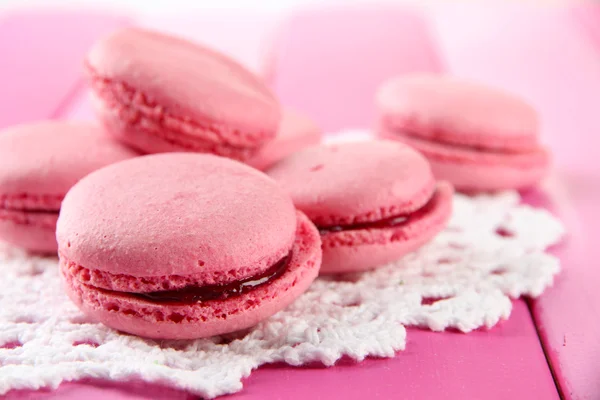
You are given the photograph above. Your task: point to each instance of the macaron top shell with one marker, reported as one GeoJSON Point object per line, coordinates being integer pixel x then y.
{"type": "Point", "coordinates": [452, 111]}
{"type": "Point", "coordinates": [183, 80]}
{"type": "Point", "coordinates": [357, 182]}
{"type": "Point", "coordinates": [177, 214]}
{"type": "Point", "coordinates": [40, 162]}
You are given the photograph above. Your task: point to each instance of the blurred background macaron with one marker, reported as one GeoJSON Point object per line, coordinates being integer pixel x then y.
{"type": "Point", "coordinates": [476, 137]}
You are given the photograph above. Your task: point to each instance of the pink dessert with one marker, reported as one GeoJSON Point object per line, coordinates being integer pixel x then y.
{"type": "Point", "coordinates": [475, 137]}
{"type": "Point", "coordinates": [160, 94]}
{"type": "Point", "coordinates": [38, 165]}
{"type": "Point", "coordinates": [296, 132]}
{"type": "Point", "coordinates": [181, 246]}
{"type": "Point", "coordinates": [372, 201]}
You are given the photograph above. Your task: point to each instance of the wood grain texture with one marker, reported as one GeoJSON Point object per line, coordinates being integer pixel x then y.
{"type": "Point", "coordinates": [551, 57]}
{"type": "Point", "coordinates": [503, 363]}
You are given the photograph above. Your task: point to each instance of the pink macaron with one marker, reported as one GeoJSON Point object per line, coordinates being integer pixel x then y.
{"type": "Point", "coordinates": [296, 131]}
{"type": "Point", "coordinates": [476, 137]}
{"type": "Point", "coordinates": [38, 164]}
{"type": "Point", "coordinates": [181, 246]}
{"type": "Point", "coordinates": [372, 201]}
{"type": "Point", "coordinates": [162, 94]}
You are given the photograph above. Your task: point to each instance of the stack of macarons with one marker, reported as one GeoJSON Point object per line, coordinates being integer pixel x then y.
{"type": "Point", "coordinates": [165, 225]}
{"type": "Point", "coordinates": [190, 99]}
{"type": "Point", "coordinates": [183, 245]}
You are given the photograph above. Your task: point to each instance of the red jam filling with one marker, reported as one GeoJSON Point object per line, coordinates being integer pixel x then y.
{"type": "Point", "coordinates": [195, 294]}
{"type": "Point", "coordinates": [29, 211]}
{"type": "Point", "coordinates": [391, 222]}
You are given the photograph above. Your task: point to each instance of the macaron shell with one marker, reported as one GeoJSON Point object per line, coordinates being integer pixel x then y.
{"type": "Point", "coordinates": [359, 250]}
{"type": "Point", "coordinates": [151, 136]}
{"type": "Point", "coordinates": [177, 214]}
{"type": "Point", "coordinates": [45, 159]}
{"type": "Point", "coordinates": [449, 110]}
{"type": "Point", "coordinates": [347, 183]}
{"type": "Point", "coordinates": [474, 170]}
{"type": "Point", "coordinates": [155, 320]}
{"type": "Point", "coordinates": [33, 232]}
{"type": "Point", "coordinates": [188, 82]}
{"type": "Point", "coordinates": [296, 132]}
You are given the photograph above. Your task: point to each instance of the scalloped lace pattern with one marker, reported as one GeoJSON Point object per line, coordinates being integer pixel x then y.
{"type": "Point", "coordinates": [492, 250]}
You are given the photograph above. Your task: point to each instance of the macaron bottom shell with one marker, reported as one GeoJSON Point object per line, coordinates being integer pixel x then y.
{"type": "Point", "coordinates": [33, 231]}
{"type": "Point", "coordinates": [470, 169]}
{"type": "Point", "coordinates": [160, 320]}
{"type": "Point", "coordinates": [364, 249]}
{"type": "Point", "coordinates": [469, 177]}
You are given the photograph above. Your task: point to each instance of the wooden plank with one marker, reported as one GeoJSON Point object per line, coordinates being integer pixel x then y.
{"type": "Point", "coordinates": [101, 390]}
{"type": "Point", "coordinates": [553, 59]}
{"type": "Point", "coordinates": [503, 363]}
{"type": "Point", "coordinates": [41, 61]}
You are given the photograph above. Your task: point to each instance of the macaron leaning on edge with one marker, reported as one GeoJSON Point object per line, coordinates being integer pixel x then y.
{"type": "Point", "coordinates": [162, 94]}
{"type": "Point", "coordinates": [372, 201]}
{"type": "Point", "coordinates": [182, 246]}
{"type": "Point", "coordinates": [296, 131]}
{"type": "Point", "coordinates": [476, 137]}
{"type": "Point", "coordinates": [39, 163]}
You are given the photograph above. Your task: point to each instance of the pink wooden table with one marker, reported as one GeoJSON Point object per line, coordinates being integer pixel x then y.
{"type": "Point", "coordinates": [552, 57]}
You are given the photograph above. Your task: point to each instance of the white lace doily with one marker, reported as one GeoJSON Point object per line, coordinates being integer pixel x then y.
{"type": "Point", "coordinates": [493, 249]}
